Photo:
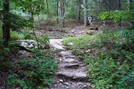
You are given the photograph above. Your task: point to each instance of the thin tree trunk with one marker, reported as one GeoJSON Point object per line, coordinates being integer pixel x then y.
{"type": "Point", "coordinates": [47, 6]}
{"type": "Point", "coordinates": [6, 23]}
{"type": "Point", "coordinates": [129, 2]}
{"type": "Point", "coordinates": [85, 13]}
{"type": "Point", "coordinates": [57, 8]}
{"type": "Point", "coordinates": [62, 12]}
{"type": "Point", "coordinates": [119, 8]}
{"type": "Point", "coordinates": [39, 20]}
{"type": "Point", "coordinates": [130, 8]}
{"type": "Point", "coordinates": [78, 10]}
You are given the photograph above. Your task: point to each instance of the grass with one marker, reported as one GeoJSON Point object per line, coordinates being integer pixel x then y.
{"type": "Point", "coordinates": [82, 42]}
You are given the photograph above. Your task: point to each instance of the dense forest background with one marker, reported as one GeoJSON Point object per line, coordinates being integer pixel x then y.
{"type": "Point", "coordinates": [111, 62]}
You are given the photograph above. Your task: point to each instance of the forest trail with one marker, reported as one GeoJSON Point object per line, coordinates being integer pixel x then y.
{"type": "Point", "coordinates": [71, 72]}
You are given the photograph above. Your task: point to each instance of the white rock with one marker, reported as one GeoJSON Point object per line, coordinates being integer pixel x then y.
{"type": "Point", "coordinates": [70, 43]}
{"type": "Point", "coordinates": [65, 53]}
{"type": "Point", "coordinates": [69, 60]}
{"type": "Point", "coordinates": [28, 43]}
{"type": "Point", "coordinates": [74, 75]}
{"type": "Point", "coordinates": [88, 51]}
{"type": "Point", "coordinates": [56, 44]}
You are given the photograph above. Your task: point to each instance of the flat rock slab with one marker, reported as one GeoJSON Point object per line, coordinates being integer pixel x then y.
{"type": "Point", "coordinates": [66, 53]}
{"type": "Point", "coordinates": [70, 60]}
{"type": "Point", "coordinates": [57, 41]}
{"type": "Point", "coordinates": [56, 44]}
{"type": "Point", "coordinates": [75, 65]}
{"type": "Point", "coordinates": [73, 75]}
{"type": "Point", "coordinates": [71, 85]}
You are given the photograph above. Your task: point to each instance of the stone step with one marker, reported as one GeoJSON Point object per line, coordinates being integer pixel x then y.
{"type": "Point", "coordinates": [73, 74]}
{"type": "Point", "coordinates": [56, 44]}
{"type": "Point", "coordinates": [57, 47]}
{"type": "Point", "coordinates": [69, 65]}
{"type": "Point", "coordinates": [69, 60]}
{"type": "Point", "coordinates": [66, 53]}
{"type": "Point", "coordinates": [64, 84]}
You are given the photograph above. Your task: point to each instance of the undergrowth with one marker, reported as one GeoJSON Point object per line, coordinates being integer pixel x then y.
{"type": "Point", "coordinates": [26, 70]}
{"type": "Point", "coordinates": [110, 61]}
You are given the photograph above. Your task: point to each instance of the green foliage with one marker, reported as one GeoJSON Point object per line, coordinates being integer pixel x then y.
{"type": "Point", "coordinates": [82, 42]}
{"type": "Point", "coordinates": [32, 73]}
{"type": "Point", "coordinates": [107, 73]}
{"type": "Point", "coordinates": [117, 15]}
{"type": "Point", "coordinates": [44, 40]}
{"type": "Point", "coordinates": [110, 62]}
{"type": "Point", "coordinates": [1, 34]}
{"type": "Point", "coordinates": [27, 34]}
{"type": "Point", "coordinates": [16, 35]}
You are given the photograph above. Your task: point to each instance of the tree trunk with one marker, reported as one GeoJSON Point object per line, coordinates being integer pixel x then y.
{"type": "Point", "coordinates": [78, 10]}
{"type": "Point", "coordinates": [129, 2]}
{"type": "Point", "coordinates": [62, 12]}
{"type": "Point", "coordinates": [119, 8]}
{"type": "Point", "coordinates": [6, 22]}
{"type": "Point", "coordinates": [47, 6]}
{"type": "Point", "coordinates": [85, 13]}
{"type": "Point", "coordinates": [130, 8]}
{"type": "Point", "coordinates": [57, 9]}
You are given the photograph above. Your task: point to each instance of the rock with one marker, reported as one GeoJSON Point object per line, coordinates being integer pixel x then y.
{"type": "Point", "coordinates": [74, 65]}
{"type": "Point", "coordinates": [70, 60]}
{"type": "Point", "coordinates": [65, 53]}
{"type": "Point", "coordinates": [56, 44]}
{"type": "Point", "coordinates": [88, 51]}
{"type": "Point", "coordinates": [73, 74]}
{"type": "Point", "coordinates": [29, 44]}
{"type": "Point", "coordinates": [66, 83]}
{"type": "Point", "coordinates": [23, 52]}
{"type": "Point", "coordinates": [70, 43]}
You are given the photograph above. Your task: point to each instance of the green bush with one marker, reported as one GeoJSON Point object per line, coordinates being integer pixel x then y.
{"type": "Point", "coordinates": [105, 73]}
{"type": "Point", "coordinates": [32, 73]}
{"type": "Point", "coordinates": [16, 35]}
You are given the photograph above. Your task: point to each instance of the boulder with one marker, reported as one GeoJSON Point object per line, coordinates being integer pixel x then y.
{"type": "Point", "coordinates": [29, 44]}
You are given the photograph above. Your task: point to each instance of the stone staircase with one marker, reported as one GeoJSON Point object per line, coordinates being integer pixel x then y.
{"type": "Point", "coordinates": [71, 72]}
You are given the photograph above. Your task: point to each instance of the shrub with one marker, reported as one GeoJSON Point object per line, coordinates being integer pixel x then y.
{"type": "Point", "coordinates": [32, 73]}
{"type": "Point", "coordinates": [16, 35]}
{"type": "Point", "coordinates": [105, 73]}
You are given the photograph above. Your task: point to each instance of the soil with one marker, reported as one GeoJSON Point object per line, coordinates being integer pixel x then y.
{"type": "Point", "coordinates": [72, 28]}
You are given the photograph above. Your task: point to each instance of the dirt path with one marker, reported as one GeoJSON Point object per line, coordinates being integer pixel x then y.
{"type": "Point", "coordinates": [71, 72]}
